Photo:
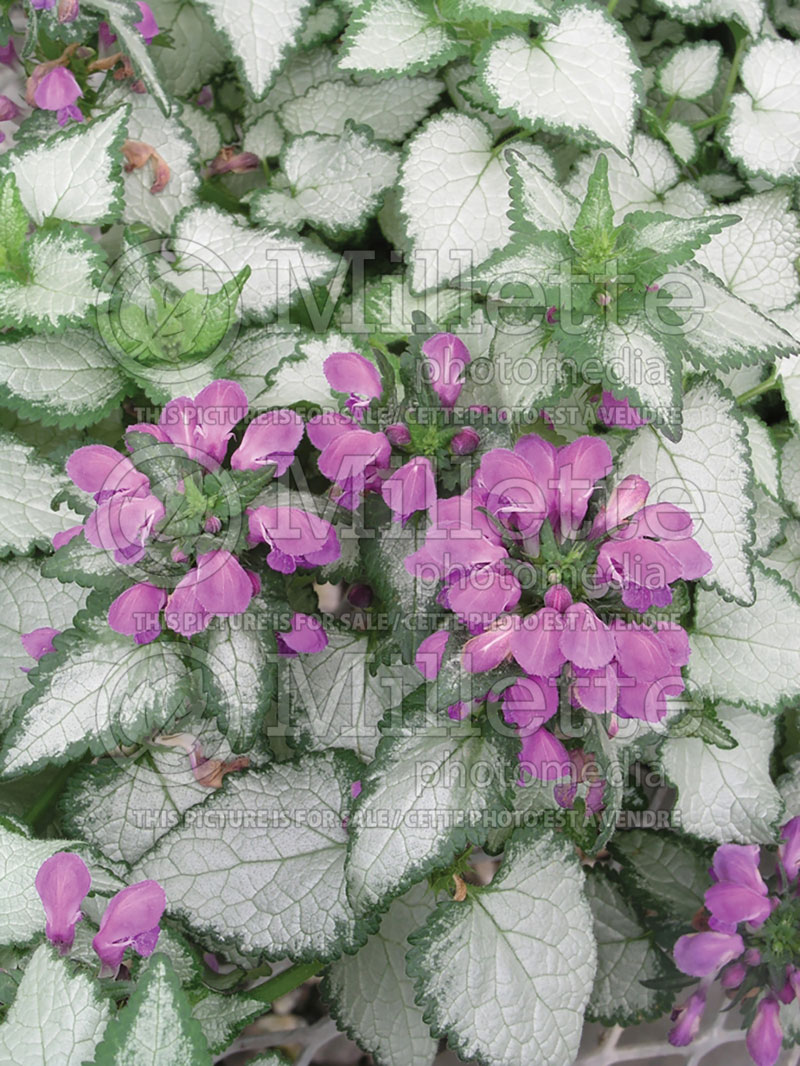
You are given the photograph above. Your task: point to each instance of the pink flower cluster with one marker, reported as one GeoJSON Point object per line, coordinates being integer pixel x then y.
{"type": "Point", "coordinates": [357, 459]}
{"type": "Point", "coordinates": [131, 918]}
{"type": "Point", "coordinates": [129, 514]}
{"type": "Point", "coordinates": [751, 936]}
{"type": "Point", "coordinates": [524, 514]}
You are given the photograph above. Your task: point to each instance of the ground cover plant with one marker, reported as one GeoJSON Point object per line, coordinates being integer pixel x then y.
{"type": "Point", "coordinates": [400, 527]}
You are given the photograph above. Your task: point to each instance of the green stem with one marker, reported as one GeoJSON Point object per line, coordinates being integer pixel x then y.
{"type": "Point", "coordinates": [740, 36]}
{"type": "Point", "coordinates": [611, 6]}
{"type": "Point", "coordinates": [36, 816]}
{"type": "Point", "coordinates": [668, 108]}
{"type": "Point", "coordinates": [285, 982]}
{"type": "Point", "coordinates": [712, 121]}
{"type": "Point", "coordinates": [770, 383]}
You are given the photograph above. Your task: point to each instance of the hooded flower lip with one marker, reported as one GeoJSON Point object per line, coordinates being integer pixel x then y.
{"type": "Point", "coordinates": [447, 358]}
{"type": "Point", "coordinates": [357, 377]}
{"type": "Point", "coordinates": [789, 849]}
{"type": "Point", "coordinates": [625, 500]}
{"type": "Point", "coordinates": [410, 489]}
{"type": "Point", "coordinates": [62, 883]}
{"type": "Point", "coordinates": [350, 456]}
{"type": "Point", "coordinates": [528, 704]}
{"type": "Point", "coordinates": [8, 109]}
{"type": "Point", "coordinates": [203, 426]}
{"type": "Point", "coordinates": [223, 585]}
{"type": "Point", "coordinates": [295, 537]}
{"type": "Point", "coordinates": [183, 612]}
{"type": "Point", "coordinates": [704, 954]}
{"type": "Point", "coordinates": [430, 653]}
{"type": "Point", "coordinates": [147, 25]}
{"type": "Point", "coordinates": [739, 893]}
{"type": "Point", "coordinates": [38, 642]}
{"type": "Point", "coordinates": [272, 437]}
{"type": "Point", "coordinates": [305, 636]}
{"type": "Point", "coordinates": [104, 473]}
{"type": "Point", "coordinates": [66, 535]}
{"type": "Point", "coordinates": [123, 525]}
{"type": "Point", "coordinates": [135, 612]}
{"type": "Point", "coordinates": [57, 91]}
{"type": "Point", "coordinates": [480, 594]}
{"type": "Point", "coordinates": [765, 1036]}
{"type": "Point", "coordinates": [131, 919]}
{"type": "Point", "coordinates": [218, 586]}
{"type": "Point", "coordinates": [688, 1018]}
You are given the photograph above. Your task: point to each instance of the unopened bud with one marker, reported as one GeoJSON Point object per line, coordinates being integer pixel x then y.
{"type": "Point", "coordinates": [465, 441]}
{"type": "Point", "coordinates": [398, 434]}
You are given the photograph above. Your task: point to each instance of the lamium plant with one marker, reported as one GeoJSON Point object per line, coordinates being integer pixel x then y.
{"type": "Point", "coordinates": [400, 540]}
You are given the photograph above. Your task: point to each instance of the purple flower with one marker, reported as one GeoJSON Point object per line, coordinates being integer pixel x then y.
{"type": "Point", "coordinates": [8, 54]}
{"type": "Point", "coordinates": [147, 25]}
{"type": "Point", "coordinates": [305, 636]}
{"type": "Point", "coordinates": [105, 36]}
{"type": "Point", "coordinates": [765, 1035]}
{"type": "Point", "coordinates": [688, 1019]}
{"type": "Point", "coordinates": [645, 567]}
{"type": "Point", "coordinates": [351, 457]}
{"type": "Point", "coordinates": [224, 587]}
{"type": "Point", "coordinates": [66, 535]}
{"type": "Point", "coordinates": [535, 643]}
{"type": "Point", "coordinates": [217, 587]}
{"type": "Point", "coordinates": [295, 538]}
{"type": "Point", "coordinates": [43, 5]}
{"type": "Point", "coordinates": [460, 536]}
{"type": "Point", "coordinates": [430, 654]}
{"type": "Point", "coordinates": [488, 649]}
{"type": "Point", "coordinates": [357, 377]}
{"type": "Point", "coordinates": [704, 954]}
{"type": "Point", "coordinates": [104, 473]}
{"type": "Point", "coordinates": [8, 109]}
{"type": "Point", "coordinates": [62, 882]}
{"type": "Point", "coordinates": [625, 500]}
{"type": "Point", "coordinates": [478, 544]}
{"type": "Point", "coordinates": [411, 488]}
{"type": "Point", "coordinates": [131, 919]}
{"type": "Point", "coordinates": [203, 426]}
{"type": "Point", "coordinates": [136, 611]}
{"type": "Point", "coordinates": [39, 642]}
{"type": "Point", "coordinates": [528, 704]}
{"type": "Point", "coordinates": [618, 413]}
{"type": "Point", "coordinates": [272, 437]}
{"type": "Point", "coordinates": [580, 465]}
{"type": "Point", "coordinates": [478, 595]}
{"type": "Point", "coordinates": [739, 893]}
{"type": "Point", "coordinates": [68, 10]}
{"type": "Point", "coordinates": [447, 358]}
{"type": "Point", "coordinates": [789, 849]}
{"type": "Point", "coordinates": [184, 613]}
{"type": "Point", "coordinates": [57, 91]}
{"type": "Point", "coordinates": [123, 525]}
